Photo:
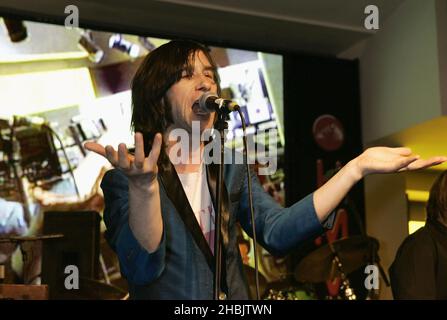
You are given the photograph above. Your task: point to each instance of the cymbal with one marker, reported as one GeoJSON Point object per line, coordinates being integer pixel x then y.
{"type": "Point", "coordinates": [31, 238]}
{"type": "Point", "coordinates": [353, 252]}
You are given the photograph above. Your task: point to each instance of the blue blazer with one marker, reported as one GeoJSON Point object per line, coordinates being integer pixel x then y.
{"type": "Point", "coordinates": [180, 267]}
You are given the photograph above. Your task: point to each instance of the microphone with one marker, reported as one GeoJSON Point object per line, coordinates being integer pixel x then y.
{"type": "Point", "coordinates": [209, 102]}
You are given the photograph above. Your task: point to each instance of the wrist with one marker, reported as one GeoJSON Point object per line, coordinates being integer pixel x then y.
{"type": "Point", "coordinates": [143, 183]}
{"type": "Point", "coordinates": [355, 170]}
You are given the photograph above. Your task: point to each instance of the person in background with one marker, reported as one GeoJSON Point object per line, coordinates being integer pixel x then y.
{"type": "Point", "coordinates": [419, 270]}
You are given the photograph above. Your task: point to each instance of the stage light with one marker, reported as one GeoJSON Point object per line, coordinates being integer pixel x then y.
{"type": "Point", "coordinates": [95, 53]}
{"type": "Point", "coordinates": [16, 29]}
{"type": "Point", "coordinates": [146, 43]}
{"type": "Point", "coordinates": [117, 41]}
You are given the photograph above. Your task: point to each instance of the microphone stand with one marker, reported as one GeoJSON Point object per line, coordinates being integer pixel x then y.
{"type": "Point", "coordinates": [221, 125]}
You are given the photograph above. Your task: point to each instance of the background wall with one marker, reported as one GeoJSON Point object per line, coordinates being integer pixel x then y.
{"type": "Point", "coordinates": [399, 71]}
{"type": "Point", "coordinates": [402, 72]}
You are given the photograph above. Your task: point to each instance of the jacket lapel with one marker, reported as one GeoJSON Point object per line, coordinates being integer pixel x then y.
{"type": "Point", "coordinates": [212, 171]}
{"type": "Point", "coordinates": [176, 194]}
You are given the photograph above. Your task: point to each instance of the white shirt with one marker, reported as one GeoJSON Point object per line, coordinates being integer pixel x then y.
{"type": "Point", "coordinates": [199, 197]}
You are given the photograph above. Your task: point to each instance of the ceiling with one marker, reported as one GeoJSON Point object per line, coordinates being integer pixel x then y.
{"type": "Point", "coordinates": [347, 14]}
{"type": "Point", "coordinates": [325, 27]}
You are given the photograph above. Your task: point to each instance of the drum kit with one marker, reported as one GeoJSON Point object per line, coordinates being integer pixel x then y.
{"type": "Point", "coordinates": [336, 260]}
{"type": "Point", "coordinates": [88, 288]}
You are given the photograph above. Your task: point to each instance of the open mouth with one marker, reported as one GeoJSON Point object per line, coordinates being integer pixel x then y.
{"type": "Point", "coordinates": [197, 110]}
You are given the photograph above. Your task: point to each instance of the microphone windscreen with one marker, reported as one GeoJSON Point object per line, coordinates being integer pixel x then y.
{"type": "Point", "coordinates": [206, 99]}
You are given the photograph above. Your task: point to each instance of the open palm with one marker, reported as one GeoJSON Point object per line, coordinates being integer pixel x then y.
{"type": "Point", "coordinates": [131, 165]}
{"type": "Point", "coordinates": [387, 160]}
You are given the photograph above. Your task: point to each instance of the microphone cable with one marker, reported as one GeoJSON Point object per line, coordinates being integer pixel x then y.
{"type": "Point", "coordinates": [250, 200]}
{"type": "Point", "coordinates": [70, 168]}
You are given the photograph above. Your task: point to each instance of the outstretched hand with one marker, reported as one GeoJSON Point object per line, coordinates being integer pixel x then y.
{"type": "Point", "coordinates": [131, 165]}
{"type": "Point", "coordinates": [388, 160]}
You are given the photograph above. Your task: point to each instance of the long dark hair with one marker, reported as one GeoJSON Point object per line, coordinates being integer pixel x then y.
{"type": "Point", "coordinates": [159, 70]}
{"type": "Point", "coordinates": [437, 202]}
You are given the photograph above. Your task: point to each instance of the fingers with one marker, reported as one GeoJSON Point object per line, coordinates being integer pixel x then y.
{"type": "Point", "coordinates": [108, 152]}
{"type": "Point", "coordinates": [404, 164]}
{"type": "Point", "coordinates": [111, 155]}
{"type": "Point", "coordinates": [421, 164]}
{"type": "Point", "coordinates": [434, 161]}
{"type": "Point", "coordinates": [95, 147]}
{"type": "Point", "coordinates": [156, 146]}
{"type": "Point", "coordinates": [123, 157]}
{"type": "Point", "coordinates": [139, 150]}
{"type": "Point", "coordinates": [119, 159]}
{"type": "Point", "coordinates": [440, 160]}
